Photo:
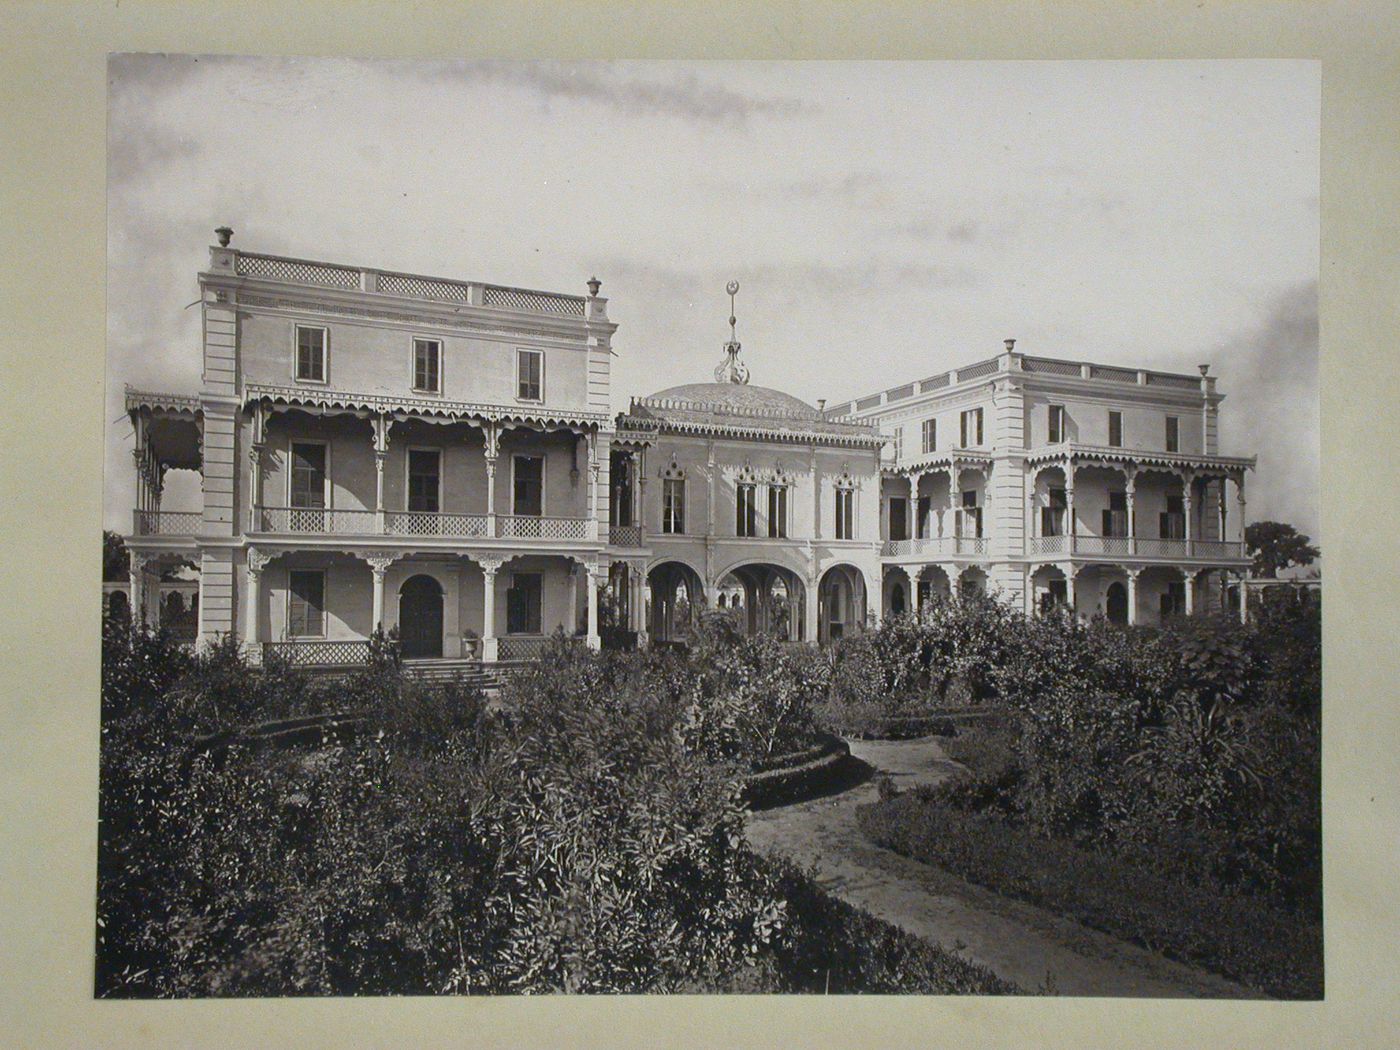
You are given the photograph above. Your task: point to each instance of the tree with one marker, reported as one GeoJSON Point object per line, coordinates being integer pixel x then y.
{"type": "Point", "coordinates": [114, 559]}
{"type": "Point", "coordinates": [1275, 545]}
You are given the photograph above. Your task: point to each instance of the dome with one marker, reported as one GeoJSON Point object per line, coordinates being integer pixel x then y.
{"type": "Point", "coordinates": [750, 400]}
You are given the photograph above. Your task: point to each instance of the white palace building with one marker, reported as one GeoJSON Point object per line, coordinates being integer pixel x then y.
{"type": "Point", "coordinates": [438, 456]}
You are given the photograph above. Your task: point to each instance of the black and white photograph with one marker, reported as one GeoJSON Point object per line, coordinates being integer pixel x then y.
{"type": "Point", "coordinates": [731, 527]}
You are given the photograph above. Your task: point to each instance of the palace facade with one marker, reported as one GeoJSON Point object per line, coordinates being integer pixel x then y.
{"type": "Point", "coordinates": [438, 456]}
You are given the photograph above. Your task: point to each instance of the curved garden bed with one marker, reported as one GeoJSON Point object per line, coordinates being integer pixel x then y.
{"type": "Point", "coordinates": [797, 775]}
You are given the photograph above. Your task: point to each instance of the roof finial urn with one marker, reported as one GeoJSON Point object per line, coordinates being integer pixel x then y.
{"type": "Point", "coordinates": [225, 234]}
{"type": "Point", "coordinates": [731, 369]}
{"type": "Point", "coordinates": [593, 285]}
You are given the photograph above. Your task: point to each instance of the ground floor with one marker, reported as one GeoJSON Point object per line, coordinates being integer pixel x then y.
{"type": "Point", "coordinates": [1123, 593]}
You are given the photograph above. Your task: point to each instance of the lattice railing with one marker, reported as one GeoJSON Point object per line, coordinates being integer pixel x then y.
{"type": "Point", "coordinates": [922, 545]}
{"type": "Point", "coordinates": [534, 302]}
{"type": "Point", "coordinates": [625, 535]}
{"type": "Point", "coordinates": [1101, 544]}
{"type": "Point", "coordinates": [422, 287]}
{"type": "Point", "coordinates": [1117, 375]}
{"type": "Point", "coordinates": [167, 523]}
{"type": "Point", "coordinates": [973, 544]}
{"type": "Point", "coordinates": [296, 271]}
{"type": "Point", "coordinates": [1218, 548]}
{"type": "Point", "coordinates": [1158, 548]}
{"type": "Point", "coordinates": [977, 371]}
{"type": "Point", "coordinates": [1051, 367]}
{"type": "Point", "coordinates": [317, 520]}
{"type": "Point", "coordinates": [1036, 545]}
{"type": "Point", "coordinates": [312, 653]}
{"type": "Point", "coordinates": [526, 527]}
{"type": "Point", "coordinates": [518, 648]}
{"type": "Point", "coordinates": [1179, 382]}
{"type": "Point", "coordinates": [423, 523]}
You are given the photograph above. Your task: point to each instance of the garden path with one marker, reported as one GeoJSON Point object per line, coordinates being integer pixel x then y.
{"type": "Point", "coordinates": [1020, 942]}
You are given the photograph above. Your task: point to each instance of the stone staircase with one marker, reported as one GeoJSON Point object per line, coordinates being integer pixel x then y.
{"type": "Point", "coordinates": [470, 672]}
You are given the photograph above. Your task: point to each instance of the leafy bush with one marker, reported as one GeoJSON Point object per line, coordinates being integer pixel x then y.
{"type": "Point", "coordinates": [1195, 922]}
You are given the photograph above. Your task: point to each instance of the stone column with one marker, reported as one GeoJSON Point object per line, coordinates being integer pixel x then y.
{"type": "Point", "coordinates": [639, 509]}
{"type": "Point", "coordinates": [489, 567]}
{"type": "Point", "coordinates": [256, 561]}
{"type": "Point", "coordinates": [1239, 496]}
{"type": "Point", "coordinates": [1072, 525]}
{"type": "Point", "coordinates": [1071, 571]}
{"type": "Point", "coordinates": [1187, 498]}
{"type": "Point", "coordinates": [1129, 493]}
{"type": "Point", "coordinates": [593, 470]}
{"type": "Point", "coordinates": [1189, 580]}
{"type": "Point", "coordinates": [592, 575]}
{"type": "Point", "coordinates": [1132, 595]}
{"type": "Point", "coordinates": [812, 613]}
{"type": "Point", "coordinates": [1244, 600]}
{"type": "Point", "coordinates": [136, 573]}
{"type": "Point", "coordinates": [1222, 510]}
{"type": "Point", "coordinates": [491, 432]}
{"type": "Point", "coordinates": [379, 566]}
{"type": "Point", "coordinates": [380, 425]}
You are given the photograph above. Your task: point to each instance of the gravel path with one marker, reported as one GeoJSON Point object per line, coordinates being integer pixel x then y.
{"type": "Point", "coordinates": [1020, 942]}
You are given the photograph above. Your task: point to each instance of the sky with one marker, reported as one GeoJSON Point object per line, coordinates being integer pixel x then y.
{"type": "Point", "coordinates": [886, 220]}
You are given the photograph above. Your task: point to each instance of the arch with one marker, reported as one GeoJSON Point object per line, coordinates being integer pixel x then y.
{"type": "Point", "coordinates": [420, 616]}
{"type": "Point", "coordinates": [897, 590]}
{"type": "Point", "coordinates": [841, 599]}
{"type": "Point", "coordinates": [773, 598]}
{"type": "Point", "coordinates": [676, 594]}
{"type": "Point", "coordinates": [781, 556]}
{"type": "Point", "coordinates": [1050, 586]}
{"type": "Point", "coordinates": [933, 584]}
{"type": "Point", "coordinates": [118, 604]}
{"type": "Point", "coordinates": [1116, 602]}
{"type": "Point", "coordinates": [972, 579]}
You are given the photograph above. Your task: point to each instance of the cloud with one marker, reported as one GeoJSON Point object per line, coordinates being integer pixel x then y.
{"type": "Point", "coordinates": [685, 95]}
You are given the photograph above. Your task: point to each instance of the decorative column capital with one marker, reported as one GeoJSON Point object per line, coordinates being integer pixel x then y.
{"type": "Point", "coordinates": [379, 561]}
{"type": "Point", "coordinates": [490, 563]}
{"type": "Point", "coordinates": [258, 559]}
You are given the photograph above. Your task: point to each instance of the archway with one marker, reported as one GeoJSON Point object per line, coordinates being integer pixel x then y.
{"type": "Point", "coordinates": [420, 617]}
{"type": "Point", "coordinates": [766, 599]}
{"type": "Point", "coordinates": [840, 603]}
{"type": "Point", "coordinates": [676, 595]}
{"type": "Point", "coordinates": [1116, 602]}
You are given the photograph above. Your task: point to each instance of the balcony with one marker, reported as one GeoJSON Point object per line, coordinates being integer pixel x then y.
{"type": "Point", "coordinates": [166, 523]}
{"type": "Point", "coordinates": [317, 521]}
{"type": "Point", "coordinates": [937, 546]}
{"type": "Point", "coordinates": [1142, 547]}
{"type": "Point", "coordinates": [625, 535]}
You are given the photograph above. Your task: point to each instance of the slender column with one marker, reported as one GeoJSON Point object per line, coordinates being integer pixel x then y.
{"type": "Point", "coordinates": [954, 504]}
{"type": "Point", "coordinates": [813, 612]}
{"type": "Point", "coordinates": [1190, 591]}
{"type": "Point", "coordinates": [379, 566]}
{"type": "Point", "coordinates": [492, 434]}
{"type": "Point", "coordinates": [595, 467]}
{"type": "Point", "coordinates": [256, 450]}
{"type": "Point", "coordinates": [574, 573]}
{"type": "Point", "coordinates": [1244, 600]}
{"type": "Point", "coordinates": [1071, 571]}
{"type": "Point", "coordinates": [639, 512]}
{"type": "Point", "coordinates": [1129, 493]}
{"type": "Point", "coordinates": [816, 500]}
{"type": "Point", "coordinates": [1239, 496]}
{"type": "Point", "coordinates": [1072, 526]}
{"type": "Point", "coordinates": [489, 568]}
{"type": "Point", "coordinates": [1187, 480]}
{"type": "Point", "coordinates": [1222, 511]}
{"type": "Point", "coordinates": [592, 576]}
{"type": "Point", "coordinates": [1132, 595]}
{"type": "Point", "coordinates": [381, 453]}
{"type": "Point", "coordinates": [136, 572]}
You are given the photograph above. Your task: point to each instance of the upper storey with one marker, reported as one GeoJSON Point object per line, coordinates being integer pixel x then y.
{"type": "Point", "coordinates": [299, 330]}
{"type": "Point", "coordinates": [1018, 403]}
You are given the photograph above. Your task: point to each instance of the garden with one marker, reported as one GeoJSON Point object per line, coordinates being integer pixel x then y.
{"type": "Point", "coordinates": [585, 832]}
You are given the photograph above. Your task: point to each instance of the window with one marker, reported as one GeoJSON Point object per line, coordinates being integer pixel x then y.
{"type": "Point", "coordinates": [527, 485]}
{"type": "Point", "coordinates": [673, 505]}
{"type": "Point", "coordinates": [1173, 600]}
{"type": "Point", "coordinates": [424, 479]}
{"type": "Point", "coordinates": [1052, 517]}
{"type": "Point", "coordinates": [925, 505]}
{"type": "Point", "coordinates": [311, 354]}
{"type": "Point", "coordinates": [777, 512]}
{"type": "Point", "coordinates": [972, 514]}
{"type": "Point", "coordinates": [1115, 515]}
{"type": "Point", "coordinates": [1173, 434]}
{"type": "Point", "coordinates": [308, 474]}
{"type": "Point", "coordinates": [1057, 424]}
{"type": "Point", "coordinates": [845, 514]}
{"type": "Point", "coordinates": [1115, 429]}
{"type": "Point", "coordinates": [930, 436]}
{"type": "Point", "coordinates": [523, 601]}
{"type": "Point", "coordinates": [1172, 523]}
{"type": "Point", "coordinates": [971, 428]}
{"type": "Point", "coordinates": [529, 374]}
{"type": "Point", "coordinates": [898, 443]}
{"type": "Point", "coordinates": [745, 513]}
{"type": "Point", "coordinates": [899, 518]}
{"type": "Point", "coordinates": [306, 604]}
{"type": "Point", "coordinates": [427, 365]}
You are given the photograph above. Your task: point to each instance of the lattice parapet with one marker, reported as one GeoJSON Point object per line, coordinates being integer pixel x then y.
{"type": "Point", "coordinates": [532, 302]}
{"type": "Point", "coordinates": [423, 287]}
{"type": "Point", "coordinates": [296, 271]}
{"type": "Point", "coordinates": [1116, 375]}
{"type": "Point", "coordinates": [1051, 367]}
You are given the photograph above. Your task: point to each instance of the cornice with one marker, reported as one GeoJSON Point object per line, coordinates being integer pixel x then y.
{"type": "Point", "coordinates": [457, 410]}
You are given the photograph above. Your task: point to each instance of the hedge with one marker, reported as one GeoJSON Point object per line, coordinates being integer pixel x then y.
{"type": "Point", "coordinates": [1234, 935]}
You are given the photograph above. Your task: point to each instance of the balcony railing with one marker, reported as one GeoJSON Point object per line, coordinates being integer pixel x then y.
{"type": "Point", "coordinates": [937, 545]}
{"type": "Point", "coordinates": [526, 527]}
{"type": "Point", "coordinates": [1047, 545]}
{"type": "Point", "coordinates": [625, 535]}
{"type": "Point", "coordinates": [1102, 545]}
{"type": "Point", "coordinates": [327, 521]}
{"type": "Point", "coordinates": [424, 523]}
{"type": "Point", "coordinates": [1142, 547]}
{"type": "Point", "coordinates": [166, 523]}
{"type": "Point", "coordinates": [1217, 549]}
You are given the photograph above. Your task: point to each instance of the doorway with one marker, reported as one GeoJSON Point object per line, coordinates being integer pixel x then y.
{"type": "Point", "coordinates": [420, 617]}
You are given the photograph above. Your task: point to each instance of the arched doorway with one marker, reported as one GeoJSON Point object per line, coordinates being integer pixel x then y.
{"type": "Point", "coordinates": [420, 617]}
{"type": "Point", "coordinates": [766, 599]}
{"type": "Point", "coordinates": [1116, 602]}
{"type": "Point", "coordinates": [676, 596]}
{"type": "Point", "coordinates": [840, 603]}
{"type": "Point", "coordinates": [117, 605]}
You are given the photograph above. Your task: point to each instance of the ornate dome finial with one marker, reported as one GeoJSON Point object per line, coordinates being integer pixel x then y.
{"type": "Point", "coordinates": [731, 369]}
